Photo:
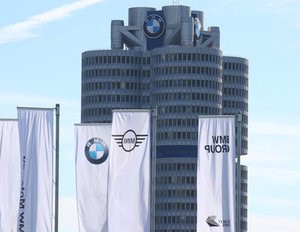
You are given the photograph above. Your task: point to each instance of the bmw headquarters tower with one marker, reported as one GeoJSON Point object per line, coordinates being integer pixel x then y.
{"type": "Point", "coordinates": [166, 59]}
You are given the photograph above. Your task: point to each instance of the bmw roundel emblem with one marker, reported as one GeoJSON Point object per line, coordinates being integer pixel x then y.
{"type": "Point", "coordinates": [96, 151]}
{"type": "Point", "coordinates": [154, 26]}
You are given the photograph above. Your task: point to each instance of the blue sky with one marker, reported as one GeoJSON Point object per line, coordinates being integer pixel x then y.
{"type": "Point", "coordinates": [40, 65]}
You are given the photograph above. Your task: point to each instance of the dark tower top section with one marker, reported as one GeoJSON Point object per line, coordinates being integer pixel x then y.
{"type": "Point", "coordinates": [173, 25]}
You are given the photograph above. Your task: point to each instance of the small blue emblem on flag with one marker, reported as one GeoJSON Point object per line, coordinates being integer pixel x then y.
{"type": "Point", "coordinates": [96, 151]}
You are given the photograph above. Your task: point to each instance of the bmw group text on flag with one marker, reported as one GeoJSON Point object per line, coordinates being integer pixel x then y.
{"type": "Point", "coordinates": [216, 174]}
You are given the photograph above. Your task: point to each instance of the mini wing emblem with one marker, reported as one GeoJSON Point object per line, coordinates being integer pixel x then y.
{"type": "Point", "coordinates": [130, 140]}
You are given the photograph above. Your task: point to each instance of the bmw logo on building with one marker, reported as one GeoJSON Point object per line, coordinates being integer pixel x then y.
{"type": "Point", "coordinates": [154, 26]}
{"type": "Point", "coordinates": [96, 151]}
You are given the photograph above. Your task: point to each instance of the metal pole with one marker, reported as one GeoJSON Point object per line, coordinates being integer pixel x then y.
{"type": "Point", "coordinates": [57, 109]}
{"type": "Point", "coordinates": [153, 168]}
{"type": "Point", "coordinates": [238, 174]}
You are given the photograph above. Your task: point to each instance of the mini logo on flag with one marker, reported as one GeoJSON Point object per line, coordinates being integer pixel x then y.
{"type": "Point", "coordinates": [96, 151]}
{"type": "Point", "coordinates": [129, 140]}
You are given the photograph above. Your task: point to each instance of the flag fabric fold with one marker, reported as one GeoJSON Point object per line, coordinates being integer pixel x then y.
{"type": "Point", "coordinates": [9, 174]}
{"type": "Point", "coordinates": [36, 150]}
{"type": "Point", "coordinates": [216, 174]}
{"type": "Point", "coordinates": [129, 172]}
{"type": "Point", "coordinates": [92, 150]}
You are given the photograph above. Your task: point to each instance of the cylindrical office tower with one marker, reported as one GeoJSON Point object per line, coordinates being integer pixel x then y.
{"type": "Point", "coordinates": [111, 80]}
{"type": "Point", "coordinates": [235, 92]}
{"type": "Point", "coordinates": [235, 100]}
{"type": "Point", "coordinates": [173, 64]}
{"type": "Point", "coordinates": [185, 83]}
{"type": "Point", "coordinates": [244, 199]}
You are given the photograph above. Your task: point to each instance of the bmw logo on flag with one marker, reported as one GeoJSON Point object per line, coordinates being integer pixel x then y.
{"type": "Point", "coordinates": [96, 151]}
{"type": "Point", "coordinates": [154, 26]}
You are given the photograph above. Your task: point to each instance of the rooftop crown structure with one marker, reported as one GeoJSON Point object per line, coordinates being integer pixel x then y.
{"type": "Point", "coordinates": [173, 25]}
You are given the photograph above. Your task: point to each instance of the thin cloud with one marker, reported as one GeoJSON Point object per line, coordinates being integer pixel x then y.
{"type": "Point", "coordinates": [24, 30]}
{"type": "Point", "coordinates": [277, 202]}
{"type": "Point", "coordinates": [275, 176]}
{"type": "Point", "coordinates": [27, 99]}
{"type": "Point", "coordinates": [274, 128]}
{"type": "Point", "coordinates": [261, 223]}
{"type": "Point", "coordinates": [269, 6]}
{"type": "Point", "coordinates": [261, 157]}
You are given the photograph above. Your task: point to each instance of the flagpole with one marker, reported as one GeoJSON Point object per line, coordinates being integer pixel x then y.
{"type": "Point", "coordinates": [57, 113]}
{"type": "Point", "coordinates": [238, 172]}
{"type": "Point", "coordinates": [153, 167]}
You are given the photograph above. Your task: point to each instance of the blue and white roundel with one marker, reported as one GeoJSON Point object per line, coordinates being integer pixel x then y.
{"type": "Point", "coordinates": [96, 151]}
{"type": "Point", "coordinates": [154, 26]}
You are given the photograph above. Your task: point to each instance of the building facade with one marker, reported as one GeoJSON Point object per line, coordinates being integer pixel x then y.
{"type": "Point", "coordinates": [165, 59]}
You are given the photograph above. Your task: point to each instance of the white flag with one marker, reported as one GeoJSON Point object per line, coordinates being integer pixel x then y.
{"type": "Point", "coordinates": [36, 148]}
{"type": "Point", "coordinates": [92, 150]}
{"type": "Point", "coordinates": [216, 175]}
{"type": "Point", "coordinates": [129, 172]}
{"type": "Point", "coordinates": [10, 175]}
